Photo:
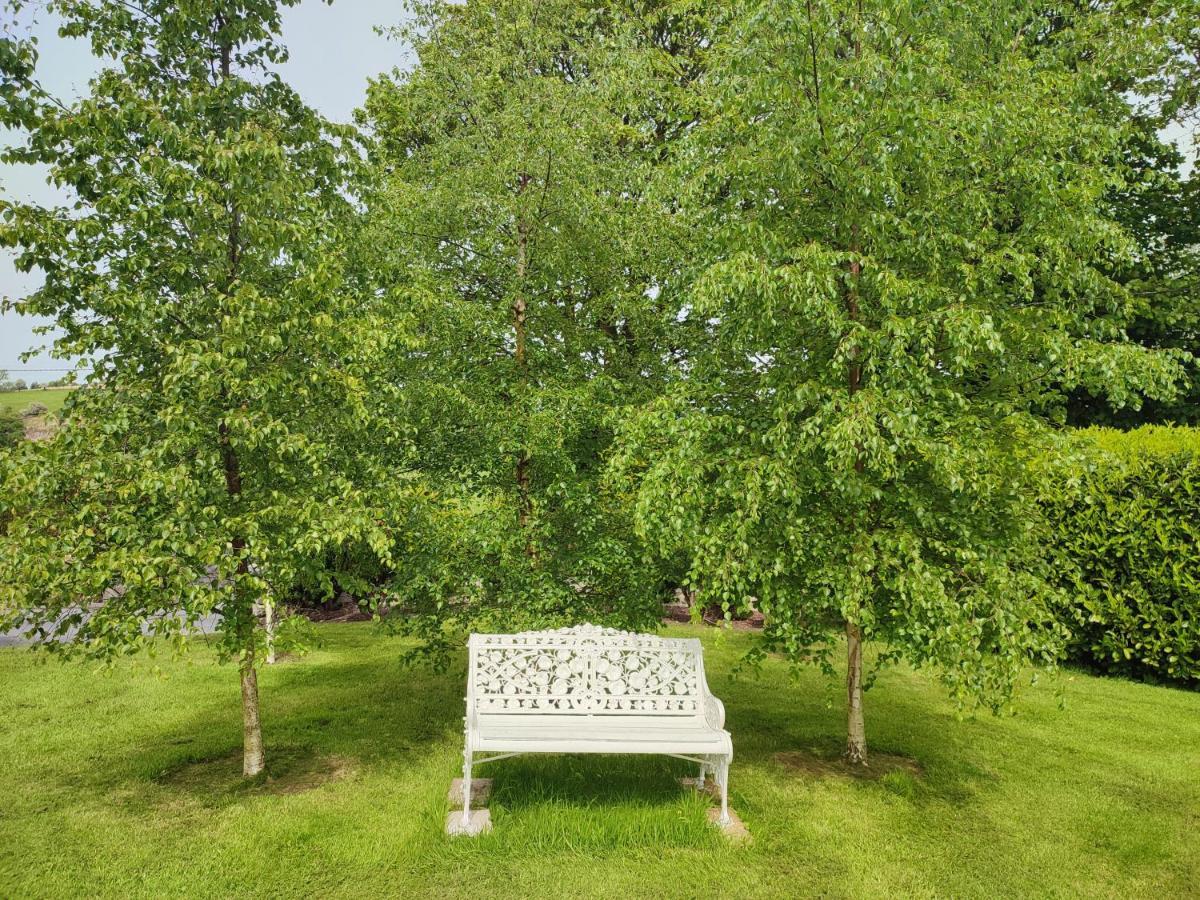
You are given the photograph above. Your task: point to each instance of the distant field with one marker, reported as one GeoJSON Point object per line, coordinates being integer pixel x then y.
{"type": "Point", "coordinates": [52, 397]}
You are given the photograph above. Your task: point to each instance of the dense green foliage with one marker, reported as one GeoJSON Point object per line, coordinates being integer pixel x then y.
{"type": "Point", "coordinates": [1157, 200]}
{"type": "Point", "coordinates": [125, 786]}
{"type": "Point", "coordinates": [12, 427]}
{"type": "Point", "coordinates": [777, 298]}
{"type": "Point", "coordinates": [512, 211]}
{"type": "Point", "coordinates": [901, 245]}
{"type": "Point", "coordinates": [1161, 209]}
{"type": "Point", "coordinates": [200, 263]}
{"type": "Point", "coordinates": [1126, 526]}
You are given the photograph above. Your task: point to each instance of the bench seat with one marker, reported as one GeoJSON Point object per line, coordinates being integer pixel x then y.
{"type": "Point", "coordinates": [599, 734]}
{"type": "Point", "coordinates": [592, 690]}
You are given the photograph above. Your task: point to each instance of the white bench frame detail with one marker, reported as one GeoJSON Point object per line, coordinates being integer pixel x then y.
{"type": "Point", "coordinates": [600, 677]}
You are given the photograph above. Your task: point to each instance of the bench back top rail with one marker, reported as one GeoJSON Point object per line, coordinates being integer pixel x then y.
{"type": "Point", "coordinates": [585, 670]}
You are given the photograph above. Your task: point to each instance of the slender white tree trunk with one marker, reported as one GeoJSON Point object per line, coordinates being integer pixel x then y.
{"type": "Point", "coordinates": [856, 731]}
{"type": "Point", "coordinates": [253, 759]}
{"type": "Point", "coordinates": [269, 616]}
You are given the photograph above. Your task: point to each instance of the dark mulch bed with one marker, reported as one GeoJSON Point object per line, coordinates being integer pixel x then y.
{"type": "Point", "coordinates": [344, 609]}
{"type": "Point", "coordinates": [677, 612]}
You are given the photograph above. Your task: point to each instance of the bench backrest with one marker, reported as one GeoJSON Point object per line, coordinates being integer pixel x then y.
{"type": "Point", "coordinates": [585, 670]}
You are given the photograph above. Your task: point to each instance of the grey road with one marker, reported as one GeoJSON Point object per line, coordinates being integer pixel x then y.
{"type": "Point", "coordinates": [18, 637]}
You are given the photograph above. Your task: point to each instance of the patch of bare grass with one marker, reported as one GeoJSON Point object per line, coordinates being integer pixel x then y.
{"type": "Point", "coordinates": [289, 771]}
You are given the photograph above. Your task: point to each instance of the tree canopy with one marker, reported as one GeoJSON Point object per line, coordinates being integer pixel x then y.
{"type": "Point", "coordinates": [781, 297]}
{"type": "Point", "coordinates": [902, 249]}
{"type": "Point", "coordinates": [512, 203]}
{"type": "Point", "coordinates": [223, 444]}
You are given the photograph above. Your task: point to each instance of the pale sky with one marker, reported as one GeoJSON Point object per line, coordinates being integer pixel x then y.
{"type": "Point", "coordinates": [334, 50]}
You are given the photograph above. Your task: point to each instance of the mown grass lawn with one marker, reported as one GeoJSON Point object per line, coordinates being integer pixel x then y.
{"type": "Point", "coordinates": [126, 784]}
{"type": "Point", "coordinates": [53, 398]}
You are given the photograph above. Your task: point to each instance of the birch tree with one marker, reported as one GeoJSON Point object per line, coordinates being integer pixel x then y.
{"type": "Point", "coordinates": [901, 240]}
{"type": "Point", "coordinates": [512, 189]}
{"type": "Point", "coordinates": [223, 439]}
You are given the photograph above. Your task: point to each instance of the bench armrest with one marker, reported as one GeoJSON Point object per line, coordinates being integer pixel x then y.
{"type": "Point", "coordinates": [714, 711]}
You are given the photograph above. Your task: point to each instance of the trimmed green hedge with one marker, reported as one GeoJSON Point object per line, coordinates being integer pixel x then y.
{"type": "Point", "coordinates": [1128, 535]}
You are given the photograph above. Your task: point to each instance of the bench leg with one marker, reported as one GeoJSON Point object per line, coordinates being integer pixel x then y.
{"type": "Point", "coordinates": [466, 787]}
{"type": "Point", "coordinates": [723, 781]}
{"type": "Point", "coordinates": [700, 777]}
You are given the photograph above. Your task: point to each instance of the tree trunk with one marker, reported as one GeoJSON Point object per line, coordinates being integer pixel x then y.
{"type": "Point", "coordinates": [269, 623]}
{"type": "Point", "coordinates": [856, 732]}
{"type": "Point", "coordinates": [519, 308]}
{"type": "Point", "coordinates": [253, 758]}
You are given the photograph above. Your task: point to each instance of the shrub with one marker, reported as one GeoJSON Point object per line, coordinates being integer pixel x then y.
{"type": "Point", "coordinates": [1127, 529]}
{"type": "Point", "coordinates": [34, 409]}
{"type": "Point", "coordinates": [12, 429]}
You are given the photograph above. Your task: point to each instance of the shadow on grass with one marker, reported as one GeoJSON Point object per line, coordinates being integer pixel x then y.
{"type": "Point", "coordinates": [586, 780]}
{"type": "Point", "coordinates": [358, 708]}
{"type": "Point", "coordinates": [322, 720]}
{"type": "Point", "coordinates": [218, 781]}
{"type": "Point", "coordinates": [794, 734]}
{"type": "Point", "coordinates": [585, 803]}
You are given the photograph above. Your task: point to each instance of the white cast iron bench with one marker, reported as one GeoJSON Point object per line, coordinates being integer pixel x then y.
{"type": "Point", "coordinates": [592, 690]}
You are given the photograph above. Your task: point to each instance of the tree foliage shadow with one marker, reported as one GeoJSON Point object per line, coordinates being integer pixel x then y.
{"type": "Point", "coordinates": [374, 711]}
{"type": "Point", "coordinates": [355, 714]}
{"type": "Point", "coordinates": [585, 780]}
{"type": "Point", "coordinates": [777, 722]}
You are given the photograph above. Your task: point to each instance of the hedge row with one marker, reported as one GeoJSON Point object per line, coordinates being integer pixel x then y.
{"type": "Point", "coordinates": [12, 427]}
{"type": "Point", "coordinates": [1128, 535]}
